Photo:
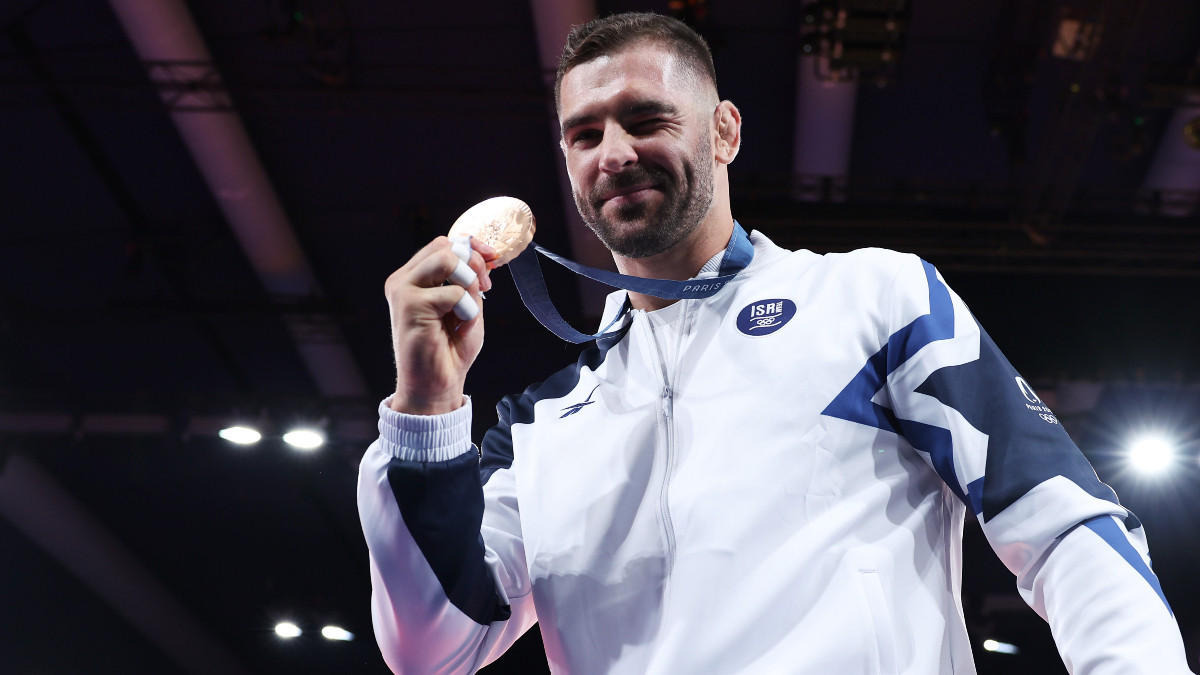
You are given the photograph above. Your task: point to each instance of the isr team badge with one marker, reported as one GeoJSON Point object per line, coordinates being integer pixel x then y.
{"type": "Point", "coordinates": [764, 317]}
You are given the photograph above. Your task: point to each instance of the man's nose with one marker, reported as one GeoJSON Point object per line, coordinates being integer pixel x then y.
{"type": "Point", "coordinates": [616, 150]}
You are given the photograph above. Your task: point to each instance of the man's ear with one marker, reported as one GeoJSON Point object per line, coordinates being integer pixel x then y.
{"type": "Point", "coordinates": [728, 123]}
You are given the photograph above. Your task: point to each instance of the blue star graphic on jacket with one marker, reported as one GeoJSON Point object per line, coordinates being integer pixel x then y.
{"type": "Point", "coordinates": [1024, 448]}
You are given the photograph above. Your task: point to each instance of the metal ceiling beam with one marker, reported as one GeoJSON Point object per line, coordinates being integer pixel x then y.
{"type": "Point", "coordinates": [39, 507]}
{"type": "Point", "coordinates": [552, 20]}
{"type": "Point", "coordinates": [145, 232]}
{"type": "Point", "coordinates": [163, 32]}
{"type": "Point", "coordinates": [958, 238]}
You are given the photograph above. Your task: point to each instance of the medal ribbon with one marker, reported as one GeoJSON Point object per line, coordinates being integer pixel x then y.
{"type": "Point", "coordinates": [527, 274]}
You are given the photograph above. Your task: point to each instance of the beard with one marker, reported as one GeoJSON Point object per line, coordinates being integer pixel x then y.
{"type": "Point", "coordinates": [640, 230]}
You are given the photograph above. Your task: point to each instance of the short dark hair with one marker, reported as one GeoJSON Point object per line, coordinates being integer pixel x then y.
{"type": "Point", "coordinates": [602, 37]}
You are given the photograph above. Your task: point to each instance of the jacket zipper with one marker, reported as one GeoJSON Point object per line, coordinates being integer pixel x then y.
{"type": "Point", "coordinates": [668, 410]}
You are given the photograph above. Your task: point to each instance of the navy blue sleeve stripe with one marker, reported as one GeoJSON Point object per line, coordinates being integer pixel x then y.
{"type": "Point", "coordinates": [854, 403]}
{"type": "Point", "coordinates": [442, 502]}
{"type": "Point", "coordinates": [497, 450]}
{"type": "Point", "coordinates": [939, 445]}
{"type": "Point", "coordinates": [442, 506]}
{"type": "Point", "coordinates": [1110, 533]}
{"type": "Point", "coordinates": [1026, 445]}
{"type": "Point", "coordinates": [938, 324]}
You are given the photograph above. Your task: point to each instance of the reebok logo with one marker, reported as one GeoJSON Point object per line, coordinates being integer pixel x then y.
{"type": "Point", "coordinates": [576, 407]}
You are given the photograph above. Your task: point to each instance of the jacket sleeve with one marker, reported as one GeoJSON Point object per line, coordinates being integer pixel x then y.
{"type": "Point", "coordinates": [1080, 558]}
{"type": "Point", "coordinates": [450, 588]}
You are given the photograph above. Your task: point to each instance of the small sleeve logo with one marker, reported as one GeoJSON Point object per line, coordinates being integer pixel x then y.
{"type": "Point", "coordinates": [1027, 390]}
{"type": "Point", "coordinates": [764, 317]}
{"type": "Point", "coordinates": [1035, 402]}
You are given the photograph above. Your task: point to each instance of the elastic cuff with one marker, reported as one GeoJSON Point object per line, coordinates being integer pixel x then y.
{"type": "Point", "coordinates": [425, 438]}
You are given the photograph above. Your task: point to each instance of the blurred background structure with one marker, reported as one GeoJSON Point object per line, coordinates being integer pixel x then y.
{"type": "Point", "coordinates": [200, 201]}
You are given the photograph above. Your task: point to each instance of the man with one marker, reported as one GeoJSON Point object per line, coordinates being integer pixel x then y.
{"type": "Point", "coordinates": [773, 479]}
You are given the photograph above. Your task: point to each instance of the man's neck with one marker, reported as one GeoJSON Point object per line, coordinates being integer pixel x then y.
{"type": "Point", "coordinates": [681, 262]}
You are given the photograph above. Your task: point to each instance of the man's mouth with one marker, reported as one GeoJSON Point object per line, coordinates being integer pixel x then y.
{"type": "Point", "coordinates": [629, 193]}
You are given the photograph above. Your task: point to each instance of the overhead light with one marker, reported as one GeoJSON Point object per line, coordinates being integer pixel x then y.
{"type": "Point", "coordinates": [335, 633]}
{"type": "Point", "coordinates": [1151, 454]}
{"type": "Point", "coordinates": [1000, 647]}
{"type": "Point", "coordinates": [240, 435]}
{"type": "Point", "coordinates": [287, 629]}
{"type": "Point", "coordinates": [304, 439]}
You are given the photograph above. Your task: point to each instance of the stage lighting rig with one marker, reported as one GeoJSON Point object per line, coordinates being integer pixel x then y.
{"type": "Point", "coordinates": [855, 40]}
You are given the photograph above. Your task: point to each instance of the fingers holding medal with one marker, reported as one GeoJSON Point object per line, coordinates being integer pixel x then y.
{"type": "Point", "coordinates": [435, 301]}
{"type": "Point", "coordinates": [463, 275]}
{"type": "Point", "coordinates": [504, 224]}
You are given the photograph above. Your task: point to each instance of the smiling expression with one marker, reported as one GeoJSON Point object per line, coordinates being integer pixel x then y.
{"type": "Point", "coordinates": [637, 135]}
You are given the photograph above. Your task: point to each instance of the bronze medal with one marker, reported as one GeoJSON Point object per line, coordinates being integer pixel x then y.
{"type": "Point", "coordinates": [504, 223]}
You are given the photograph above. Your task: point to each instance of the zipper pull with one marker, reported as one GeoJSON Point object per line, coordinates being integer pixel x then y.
{"type": "Point", "coordinates": [666, 401]}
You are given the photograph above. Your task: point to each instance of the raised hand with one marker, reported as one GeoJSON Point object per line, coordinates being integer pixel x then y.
{"type": "Point", "coordinates": [433, 347]}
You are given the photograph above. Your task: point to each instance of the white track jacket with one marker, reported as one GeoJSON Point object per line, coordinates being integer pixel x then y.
{"type": "Point", "coordinates": [770, 480]}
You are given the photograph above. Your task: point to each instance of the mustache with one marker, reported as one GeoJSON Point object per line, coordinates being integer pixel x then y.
{"type": "Point", "coordinates": [633, 176]}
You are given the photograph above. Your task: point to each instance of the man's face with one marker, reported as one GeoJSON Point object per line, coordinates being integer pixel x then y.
{"type": "Point", "coordinates": [638, 142]}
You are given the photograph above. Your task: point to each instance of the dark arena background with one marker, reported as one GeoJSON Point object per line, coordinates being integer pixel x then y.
{"type": "Point", "coordinates": [200, 202]}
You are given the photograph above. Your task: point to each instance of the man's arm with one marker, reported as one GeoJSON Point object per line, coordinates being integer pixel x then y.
{"type": "Point", "coordinates": [450, 586]}
{"type": "Point", "coordinates": [447, 562]}
{"type": "Point", "coordinates": [1104, 605]}
{"type": "Point", "coordinates": [1079, 556]}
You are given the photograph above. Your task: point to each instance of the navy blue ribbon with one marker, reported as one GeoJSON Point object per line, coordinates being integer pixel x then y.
{"type": "Point", "coordinates": [527, 274]}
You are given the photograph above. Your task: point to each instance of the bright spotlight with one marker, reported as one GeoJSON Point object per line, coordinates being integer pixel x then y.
{"type": "Point", "coordinates": [335, 633]}
{"type": "Point", "coordinates": [240, 435]}
{"type": "Point", "coordinates": [1151, 454]}
{"type": "Point", "coordinates": [287, 629]}
{"type": "Point", "coordinates": [304, 439]}
{"type": "Point", "coordinates": [1000, 647]}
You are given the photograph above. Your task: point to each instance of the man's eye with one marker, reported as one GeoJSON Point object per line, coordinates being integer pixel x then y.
{"type": "Point", "coordinates": [647, 126]}
{"type": "Point", "coordinates": [585, 136]}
